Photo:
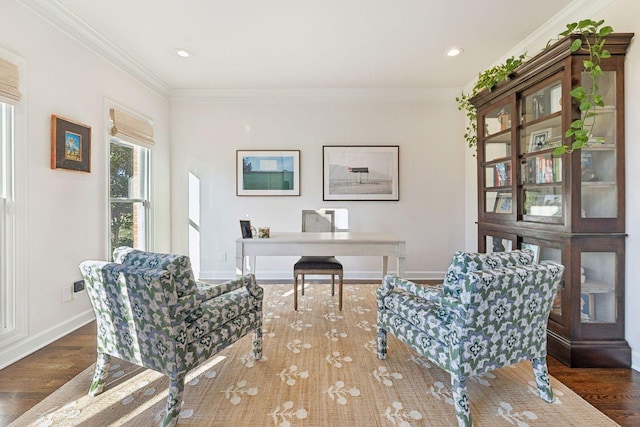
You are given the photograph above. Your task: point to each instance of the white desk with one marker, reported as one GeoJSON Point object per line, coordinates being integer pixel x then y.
{"type": "Point", "coordinates": [322, 244]}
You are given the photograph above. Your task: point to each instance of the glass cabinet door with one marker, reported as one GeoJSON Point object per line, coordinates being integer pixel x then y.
{"type": "Point", "coordinates": [599, 187]}
{"type": "Point", "coordinates": [497, 160]}
{"type": "Point", "coordinates": [540, 171]}
{"type": "Point", "coordinates": [597, 287]}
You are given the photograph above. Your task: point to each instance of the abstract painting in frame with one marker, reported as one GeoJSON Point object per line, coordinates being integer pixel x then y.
{"type": "Point", "coordinates": [268, 172]}
{"type": "Point", "coordinates": [70, 145]}
{"type": "Point", "coordinates": [361, 172]}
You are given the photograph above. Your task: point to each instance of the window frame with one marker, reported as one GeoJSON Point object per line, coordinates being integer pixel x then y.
{"type": "Point", "coordinates": [147, 156]}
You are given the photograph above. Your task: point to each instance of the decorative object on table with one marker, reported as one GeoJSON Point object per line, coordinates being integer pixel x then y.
{"type": "Point", "coordinates": [264, 232]}
{"type": "Point", "coordinates": [360, 172]}
{"type": "Point", "coordinates": [247, 230]}
{"type": "Point", "coordinates": [268, 173]}
{"type": "Point", "coordinates": [490, 312]}
{"type": "Point", "coordinates": [70, 145]}
{"type": "Point", "coordinates": [151, 311]}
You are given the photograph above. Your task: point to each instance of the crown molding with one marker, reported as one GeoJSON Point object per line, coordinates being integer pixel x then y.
{"type": "Point", "coordinates": [573, 12]}
{"type": "Point", "coordinates": [312, 95]}
{"type": "Point", "coordinates": [62, 18]}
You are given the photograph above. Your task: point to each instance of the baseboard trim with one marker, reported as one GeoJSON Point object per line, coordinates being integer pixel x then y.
{"type": "Point", "coordinates": [30, 344]}
{"type": "Point", "coordinates": [287, 276]}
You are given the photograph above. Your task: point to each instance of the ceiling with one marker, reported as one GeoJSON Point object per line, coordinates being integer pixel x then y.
{"type": "Point", "coordinates": [285, 44]}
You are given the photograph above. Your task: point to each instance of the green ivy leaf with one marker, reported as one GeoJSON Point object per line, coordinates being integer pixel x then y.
{"type": "Point", "coordinates": [578, 93]}
{"type": "Point", "coordinates": [605, 31]}
{"type": "Point", "coordinates": [577, 44]}
{"type": "Point", "coordinates": [585, 106]}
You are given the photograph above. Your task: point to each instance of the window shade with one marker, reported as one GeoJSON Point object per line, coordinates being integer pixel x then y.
{"type": "Point", "coordinates": [128, 127]}
{"type": "Point", "coordinates": [9, 81]}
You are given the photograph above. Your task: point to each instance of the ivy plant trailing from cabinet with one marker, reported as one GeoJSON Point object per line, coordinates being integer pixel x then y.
{"type": "Point", "coordinates": [593, 36]}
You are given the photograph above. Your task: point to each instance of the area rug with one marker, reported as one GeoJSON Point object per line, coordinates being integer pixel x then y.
{"type": "Point", "coordinates": [319, 368]}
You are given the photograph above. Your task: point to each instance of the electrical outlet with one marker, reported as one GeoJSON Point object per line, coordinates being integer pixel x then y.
{"type": "Point", "coordinates": [78, 286]}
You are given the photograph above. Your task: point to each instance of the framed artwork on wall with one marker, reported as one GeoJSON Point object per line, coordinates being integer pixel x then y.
{"type": "Point", "coordinates": [70, 145]}
{"type": "Point", "coordinates": [361, 172]}
{"type": "Point", "coordinates": [268, 173]}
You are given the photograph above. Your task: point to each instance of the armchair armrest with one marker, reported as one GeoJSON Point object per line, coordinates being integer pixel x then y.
{"type": "Point", "coordinates": [207, 291]}
{"type": "Point", "coordinates": [430, 293]}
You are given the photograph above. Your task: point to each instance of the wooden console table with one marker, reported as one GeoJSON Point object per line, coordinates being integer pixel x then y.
{"type": "Point", "coordinates": [322, 244]}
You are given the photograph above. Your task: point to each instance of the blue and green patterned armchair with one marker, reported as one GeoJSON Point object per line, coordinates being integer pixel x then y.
{"type": "Point", "coordinates": [152, 312]}
{"type": "Point", "coordinates": [490, 312]}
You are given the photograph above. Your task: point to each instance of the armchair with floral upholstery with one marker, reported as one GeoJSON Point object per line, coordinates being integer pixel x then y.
{"type": "Point", "coordinates": [490, 312]}
{"type": "Point", "coordinates": [150, 311]}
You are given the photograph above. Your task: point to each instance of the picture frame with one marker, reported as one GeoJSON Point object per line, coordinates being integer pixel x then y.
{"type": "Point", "coordinates": [360, 172]}
{"type": "Point", "coordinates": [538, 140]}
{"type": "Point", "coordinates": [70, 145]}
{"type": "Point", "coordinates": [504, 203]}
{"type": "Point", "coordinates": [535, 249]}
{"type": "Point", "coordinates": [246, 229]}
{"type": "Point", "coordinates": [267, 172]}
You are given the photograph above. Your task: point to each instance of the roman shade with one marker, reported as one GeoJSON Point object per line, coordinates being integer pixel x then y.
{"type": "Point", "coordinates": [127, 127]}
{"type": "Point", "coordinates": [9, 81]}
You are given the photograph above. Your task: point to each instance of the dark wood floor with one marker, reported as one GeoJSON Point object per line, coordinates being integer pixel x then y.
{"type": "Point", "coordinates": [616, 392]}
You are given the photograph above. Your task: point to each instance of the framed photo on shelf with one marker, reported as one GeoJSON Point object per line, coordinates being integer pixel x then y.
{"type": "Point", "coordinates": [267, 173]}
{"type": "Point", "coordinates": [503, 203]}
{"type": "Point", "coordinates": [360, 172]}
{"type": "Point", "coordinates": [535, 249]}
{"type": "Point", "coordinates": [70, 145]}
{"type": "Point", "coordinates": [539, 139]}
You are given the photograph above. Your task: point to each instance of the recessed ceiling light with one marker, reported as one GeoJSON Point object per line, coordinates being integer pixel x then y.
{"type": "Point", "coordinates": [454, 51]}
{"type": "Point", "coordinates": [183, 53]}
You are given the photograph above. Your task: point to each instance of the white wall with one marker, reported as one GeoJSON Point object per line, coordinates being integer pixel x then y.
{"type": "Point", "coordinates": [429, 215]}
{"type": "Point", "coordinates": [66, 212]}
{"type": "Point", "coordinates": [624, 17]}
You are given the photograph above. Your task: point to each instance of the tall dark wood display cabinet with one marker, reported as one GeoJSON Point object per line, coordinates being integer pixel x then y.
{"type": "Point", "coordinates": [570, 208]}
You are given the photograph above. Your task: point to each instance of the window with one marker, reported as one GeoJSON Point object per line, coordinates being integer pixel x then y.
{"type": "Point", "coordinates": [129, 169]}
{"type": "Point", "coordinates": [7, 222]}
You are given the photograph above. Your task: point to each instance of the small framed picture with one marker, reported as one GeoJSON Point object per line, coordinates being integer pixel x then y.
{"type": "Point", "coordinates": [535, 249]}
{"type": "Point", "coordinates": [246, 229]}
{"type": "Point", "coordinates": [539, 139]}
{"type": "Point", "coordinates": [267, 173]}
{"type": "Point", "coordinates": [503, 203]}
{"type": "Point", "coordinates": [70, 145]}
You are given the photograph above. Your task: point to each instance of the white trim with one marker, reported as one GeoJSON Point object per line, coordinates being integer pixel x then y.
{"type": "Point", "coordinates": [285, 276]}
{"type": "Point", "coordinates": [312, 95]}
{"type": "Point", "coordinates": [58, 15]}
{"type": "Point", "coordinates": [44, 338]}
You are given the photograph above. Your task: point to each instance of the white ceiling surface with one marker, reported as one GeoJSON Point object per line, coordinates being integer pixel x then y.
{"type": "Point", "coordinates": [285, 44]}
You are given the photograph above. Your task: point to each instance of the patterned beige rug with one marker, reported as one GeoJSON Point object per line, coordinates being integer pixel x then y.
{"type": "Point", "coordinates": [319, 369]}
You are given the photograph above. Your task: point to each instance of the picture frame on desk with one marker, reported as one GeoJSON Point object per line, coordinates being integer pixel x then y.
{"type": "Point", "coordinates": [361, 172]}
{"type": "Point", "coordinates": [538, 140]}
{"type": "Point", "coordinates": [267, 172]}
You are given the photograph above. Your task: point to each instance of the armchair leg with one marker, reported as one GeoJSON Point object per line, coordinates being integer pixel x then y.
{"type": "Point", "coordinates": [100, 374]}
{"type": "Point", "coordinates": [382, 343]}
{"type": "Point", "coordinates": [174, 401]}
{"type": "Point", "coordinates": [257, 343]}
{"type": "Point", "coordinates": [541, 373]}
{"type": "Point", "coordinates": [461, 400]}
{"type": "Point", "coordinates": [333, 285]}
